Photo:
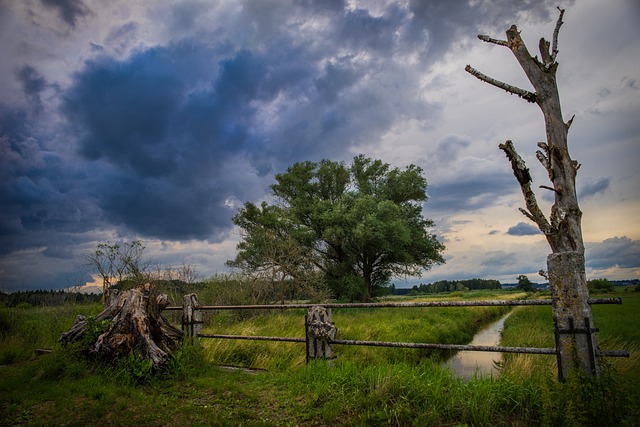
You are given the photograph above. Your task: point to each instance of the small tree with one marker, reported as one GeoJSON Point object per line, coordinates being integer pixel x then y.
{"type": "Point", "coordinates": [600, 285]}
{"type": "Point", "coordinates": [116, 262]}
{"type": "Point", "coordinates": [525, 284]}
{"type": "Point", "coordinates": [563, 231]}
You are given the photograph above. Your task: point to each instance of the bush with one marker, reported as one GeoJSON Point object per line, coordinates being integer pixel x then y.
{"type": "Point", "coordinates": [600, 286]}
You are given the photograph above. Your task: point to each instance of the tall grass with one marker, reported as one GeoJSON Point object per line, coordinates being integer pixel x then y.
{"type": "Point", "coordinates": [25, 328]}
{"type": "Point", "coordinates": [609, 399]}
{"type": "Point", "coordinates": [361, 387]}
{"type": "Point", "coordinates": [455, 325]}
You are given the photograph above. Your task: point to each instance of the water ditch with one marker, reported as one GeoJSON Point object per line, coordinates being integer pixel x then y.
{"type": "Point", "coordinates": [466, 364]}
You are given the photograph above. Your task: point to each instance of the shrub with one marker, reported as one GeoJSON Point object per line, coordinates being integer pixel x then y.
{"type": "Point", "coordinates": [600, 286]}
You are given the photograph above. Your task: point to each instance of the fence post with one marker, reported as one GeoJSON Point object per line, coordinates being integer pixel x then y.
{"type": "Point", "coordinates": [191, 316]}
{"type": "Point", "coordinates": [319, 331]}
{"type": "Point", "coordinates": [577, 346]}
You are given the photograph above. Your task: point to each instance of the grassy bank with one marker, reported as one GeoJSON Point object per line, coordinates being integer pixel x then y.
{"type": "Point", "coordinates": [361, 387]}
{"type": "Point", "coordinates": [611, 400]}
{"type": "Point", "coordinates": [430, 325]}
{"type": "Point", "coordinates": [25, 328]}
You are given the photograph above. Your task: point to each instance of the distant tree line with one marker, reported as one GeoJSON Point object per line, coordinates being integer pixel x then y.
{"type": "Point", "coordinates": [455, 285]}
{"type": "Point", "coordinates": [43, 298]}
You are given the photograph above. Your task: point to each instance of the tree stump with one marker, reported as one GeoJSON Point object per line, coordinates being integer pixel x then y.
{"type": "Point", "coordinates": [135, 326]}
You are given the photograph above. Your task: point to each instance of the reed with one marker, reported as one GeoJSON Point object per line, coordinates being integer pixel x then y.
{"type": "Point", "coordinates": [403, 387]}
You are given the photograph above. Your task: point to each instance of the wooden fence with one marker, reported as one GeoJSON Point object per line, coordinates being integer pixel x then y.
{"type": "Point", "coordinates": [320, 330]}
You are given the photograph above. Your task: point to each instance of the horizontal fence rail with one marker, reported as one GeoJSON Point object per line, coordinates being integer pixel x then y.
{"type": "Point", "coordinates": [479, 303]}
{"type": "Point", "coordinates": [320, 330]}
{"type": "Point", "coordinates": [453, 347]}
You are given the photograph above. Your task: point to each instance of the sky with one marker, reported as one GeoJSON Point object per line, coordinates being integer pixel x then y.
{"type": "Point", "coordinates": [156, 121]}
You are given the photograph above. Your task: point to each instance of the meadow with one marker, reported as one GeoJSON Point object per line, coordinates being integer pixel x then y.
{"type": "Point", "coordinates": [361, 386]}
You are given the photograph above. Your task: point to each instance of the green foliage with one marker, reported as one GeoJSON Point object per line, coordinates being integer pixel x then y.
{"type": "Point", "coordinates": [584, 401]}
{"type": "Point", "coordinates": [41, 298]}
{"type": "Point", "coordinates": [94, 329]}
{"type": "Point", "coordinates": [525, 284]}
{"type": "Point", "coordinates": [612, 398]}
{"type": "Point", "coordinates": [358, 226]}
{"type": "Point", "coordinates": [22, 330]}
{"type": "Point", "coordinates": [134, 370]}
{"type": "Point", "coordinates": [453, 286]}
{"type": "Point", "coordinates": [354, 389]}
{"type": "Point", "coordinates": [600, 286]}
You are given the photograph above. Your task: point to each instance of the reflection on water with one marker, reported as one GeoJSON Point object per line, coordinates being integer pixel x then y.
{"type": "Point", "coordinates": [467, 363]}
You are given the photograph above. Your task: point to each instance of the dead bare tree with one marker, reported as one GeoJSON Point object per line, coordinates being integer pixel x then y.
{"type": "Point", "coordinates": [566, 263]}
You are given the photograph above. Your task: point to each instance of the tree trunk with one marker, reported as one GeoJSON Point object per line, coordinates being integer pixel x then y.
{"type": "Point", "coordinates": [135, 326]}
{"type": "Point", "coordinates": [566, 264]}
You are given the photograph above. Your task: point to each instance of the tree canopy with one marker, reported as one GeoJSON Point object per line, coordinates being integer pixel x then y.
{"type": "Point", "coordinates": [525, 284]}
{"type": "Point", "coordinates": [356, 225]}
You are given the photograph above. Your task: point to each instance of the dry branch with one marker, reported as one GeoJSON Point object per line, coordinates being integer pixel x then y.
{"type": "Point", "coordinates": [556, 31]}
{"type": "Point", "coordinates": [563, 230]}
{"type": "Point", "coordinates": [525, 94]}
{"type": "Point", "coordinates": [521, 173]}
{"type": "Point", "coordinates": [492, 40]}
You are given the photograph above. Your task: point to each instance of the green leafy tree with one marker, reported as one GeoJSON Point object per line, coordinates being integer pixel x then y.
{"type": "Point", "coordinates": [357, 225]}
{"type": "Point", "coordinates": [600, 285]}
{"type": "Point", "coordinates": [525, 284]}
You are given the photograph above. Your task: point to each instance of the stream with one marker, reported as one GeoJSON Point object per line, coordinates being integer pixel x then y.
{"type": "Point", "coordinates": [466, 364]}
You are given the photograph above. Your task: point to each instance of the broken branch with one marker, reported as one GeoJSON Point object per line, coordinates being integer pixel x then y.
{"type": "Point", "coordinates": [525, 94]}
{"type": "Point", "coordinates": [549, 188]}
{"type": "Point", "coordinates": [492, 40]}
{"type": "Point", "coordinates": [570, 122]}
{"type": "Point", "coordinates": [521, 173]}
{"type": "Point", "coordinates": [556, 31]}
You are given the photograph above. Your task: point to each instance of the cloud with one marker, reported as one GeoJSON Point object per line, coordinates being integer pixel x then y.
{"type": "Point", "coordinates": [68, 10]}
{"type": "Point", "coordinates": [523, 229]}
{"type": "Point", "coordinates": [616, 251]}
{"type": "Point", "coordinates": [156, 120]}
{"type": "Point", "coordinates": [592, 187]}
{"type": "Point", "coordinates": [33, 83]}
{"type": "Point", "coordinates": [471, 191]}
{"type": "Point", "coordinates": [450, 22]}
{"type": "Point", "coordinates": [496, 259]}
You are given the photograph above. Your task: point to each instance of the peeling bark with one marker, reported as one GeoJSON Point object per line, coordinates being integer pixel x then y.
{"type": "Point", "coordinates": [566, 268]}
{"type": "Point", "coordinates": [136, 327]}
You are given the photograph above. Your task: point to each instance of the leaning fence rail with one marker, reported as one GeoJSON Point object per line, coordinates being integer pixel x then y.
{"type": "Point", "coordinates": [320, 330]}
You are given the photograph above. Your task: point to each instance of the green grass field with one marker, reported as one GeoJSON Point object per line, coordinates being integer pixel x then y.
{"type": "Point", "coordinates": [362, 386]}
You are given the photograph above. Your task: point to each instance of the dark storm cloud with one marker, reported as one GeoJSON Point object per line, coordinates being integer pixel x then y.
{"type": "Point", "coordinates": [523, 229]}
{"type": "Point", "coordinates": [471, 192]}
{"type": "Point", "coordinates": [450, 21]}
{"type": "Point", "coordinates": [40, 193]}
{"type": "Point", "coordinates": [617, 251]}
{"type": "Point", "coordinates": [165, 125]}
{"type": "Point", "coordinates": [164, 141]}
{"type": "Point", "coordinates": [68, 10]}
{"type": "Point", "coordinates": [33, 83]}
{"type": "Point", "coordinates": [158, 132]}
